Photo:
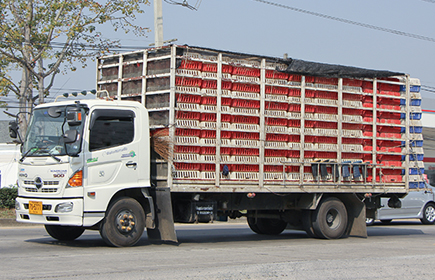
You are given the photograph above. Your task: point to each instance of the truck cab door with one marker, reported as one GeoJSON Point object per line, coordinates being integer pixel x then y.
{"type": "Point", "coordinates": [111, 156]}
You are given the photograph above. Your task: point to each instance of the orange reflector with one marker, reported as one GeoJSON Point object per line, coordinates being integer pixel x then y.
{"type": "Point", "coordinates": [76, 180]}
{"type": "Point", "coordinates": [79, 116]}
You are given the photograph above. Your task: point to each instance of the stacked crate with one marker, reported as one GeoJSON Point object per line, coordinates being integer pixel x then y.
{"type": "Point", "coordinates": [273, 123]}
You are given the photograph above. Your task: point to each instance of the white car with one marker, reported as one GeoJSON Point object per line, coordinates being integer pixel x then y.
{"type": "Point", "coordinates": [416, 205]}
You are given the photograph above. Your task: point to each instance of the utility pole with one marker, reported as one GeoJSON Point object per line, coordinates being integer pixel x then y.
{"type": "Point", "coordinates": [158, 23]}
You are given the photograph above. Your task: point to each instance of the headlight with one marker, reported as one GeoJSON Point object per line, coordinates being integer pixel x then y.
{"type": "Point", "coordinates": [64, 207]}
{"type": "Point", "coordinates": [17, 205]}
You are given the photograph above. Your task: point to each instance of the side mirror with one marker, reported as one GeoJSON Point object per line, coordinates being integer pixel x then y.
{"type": "Point", "coordinates": [74, 116]}
{"type": "Point", "coordinates": [13, 129]}
{"type": "Point", "coordinates": [70, 136]}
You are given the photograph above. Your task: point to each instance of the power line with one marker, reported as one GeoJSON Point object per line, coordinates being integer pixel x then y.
{"type": "Point", "coordinates": [374, 27]}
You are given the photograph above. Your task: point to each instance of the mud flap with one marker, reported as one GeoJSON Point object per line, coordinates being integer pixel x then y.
{"type": "Point", "coordinates": [357, 216]}
{"type": "Point", "coordinates": [164, 230]}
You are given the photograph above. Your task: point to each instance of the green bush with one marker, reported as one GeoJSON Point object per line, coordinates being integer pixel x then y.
{"type": "Point", "coordinates": [7, 197]}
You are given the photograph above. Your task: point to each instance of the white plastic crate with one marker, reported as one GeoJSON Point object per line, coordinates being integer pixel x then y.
{"type": "Point", "coordinates": [182, 89]}
{"type": "Point", "coordinates": [247, 95]}
{"type": "Point", "coordinates": [327, 132]}
{"type": "Point", "coordinates": [294, 115]}
{"type": "Point", "coordinates": [244, 175]}
{"type": "Point", "coordinates": [276, 97]}
{"type": "Point", "coordinates": [240, 159]}
{"type": "Point", "coordinates": [413, 136]}
{"type": "Point", "coordinates": [324, 86]}
{"type": "Point", "coordinates": [187, 123]}
{"type": "Point", "coordinates": [188, 106]}
{"type": "Point", "coordinates": [276, 82]}
{"type": "Point", "coordinates": [352, 103]}
{"type": "Point", "coordinates": [352, 118]}
{"type": "Point", "coordinates": [310, 116]}
{"type": "Point", "coordinates": [352, 148]}
{"type": "Point", "coordinates": [352, 89]}
{"type": "Point", "coordinates": [310, 85]}
{"type": "Point", "coordinates": [352, 133]}
{"type": "Point", "coordinates": [186, 140]}
{"type": "Point", "coordinates": [212, 108]}
{"type": "Point", "coordinates": [326, 101]}
{"type": "Point", "coordinates": [294, 99]}
{"type": "Point", "coordinates": [294, 146]}
{"type": "Point", "coordinates": [275, 159]}
{"type": "Point", "coordinates": [328, 147]}
{"type": "Point", "coordinates": [247, 111]}
{"type": "Point", "coordinates": [213, 92]}
{"type": "Point", "coordinates": [415, 178]}
{"type": "Point", "coordinates": [207, 141]}
{"type": "Point", "coordinates": [186, 174]}
{"type": "Point", "coordinates": [294, 130]}
{"type": "Point", "coordinates": [311, 131]}
{"type": "Point", "coordinates": [213, 75]}
{"type": "Point", "coordinates": [244, 127]}
{"type": "Point", "coordinates": [273, 176]}
{"type": "Point", "coordinates": [208, 158]}
{"type": "Point", "coordinates": [276, 145]}
{"type": "Point", "coordinates": [311, 146]}
{"type": "Point", "coordinates": [415, 150]}
{"type": "Point", "coordinates": [245, 143]}
{"type": "Point", "coordinates": [208, 175]}
{"type": "Point", "coordinates": [188, 72]}
{"type": "Point", "coordinates": [276, 129]}
{"type": "Point", "coordinates": [247, 79]}
{"type": "Point", "coordinates": [275, 113]}
{"type": "Point", "coordinates": [414, 164]}
{"type": "Point", "coordinates": [326, 117]}
{"type": "Point", "coordinates": [186, 157]}
{"type": "Point", "coordinates": [208, 125]}
{"type": "Point", "coordinates": [308, 100]}
{"type": "Point", "coordinates": [293, 83]}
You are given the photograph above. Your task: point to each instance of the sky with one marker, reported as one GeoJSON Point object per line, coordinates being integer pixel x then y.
{"type": "Point", "coordinates": [256, 27]}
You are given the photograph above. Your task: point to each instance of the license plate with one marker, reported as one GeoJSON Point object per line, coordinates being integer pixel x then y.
{"type": "Point", "coordinates": [35, 207]}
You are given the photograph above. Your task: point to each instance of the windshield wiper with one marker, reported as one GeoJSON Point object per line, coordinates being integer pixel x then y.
{"type": "Point", "coordinates": [34, 149]}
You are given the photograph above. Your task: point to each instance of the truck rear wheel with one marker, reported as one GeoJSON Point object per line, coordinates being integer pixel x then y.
{"type": "Point", "coordinates": [64, 233]}
{"type": "Point", "coordinates": [124, 223]}
{"type": "Point", "coordinates": [330, 219]}
{"type": "Point", "coordinates": [266, 225]}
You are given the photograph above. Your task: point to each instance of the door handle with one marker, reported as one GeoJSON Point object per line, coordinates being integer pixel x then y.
{"type": "Point", "coordinates": [131, 164]}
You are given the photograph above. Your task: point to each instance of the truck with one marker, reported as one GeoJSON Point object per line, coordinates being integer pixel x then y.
{"type": "Point", "coordinates": [184, 134]}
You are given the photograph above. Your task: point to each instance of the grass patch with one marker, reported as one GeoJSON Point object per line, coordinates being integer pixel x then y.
{"type": "Point", "coordinates": [7, 213]}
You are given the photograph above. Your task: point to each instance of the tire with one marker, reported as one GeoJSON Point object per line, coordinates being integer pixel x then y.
{"type": "Point", "coordinates": [124, 223]}
{"type": "Point", "coordinates": [370, 221]}
{"type": "Point", "coordinates": [64, 233]}
{"type": "Point", "coordinates": [266, 225]}
{"type": "Point", "coordinates": [330, 219]}
{"type": "Point", "coordinates": [307, 223]}
{"type": "Point", "coordinates": [428, 214]}
{"type": "Point", "coordinates": [386, 222]}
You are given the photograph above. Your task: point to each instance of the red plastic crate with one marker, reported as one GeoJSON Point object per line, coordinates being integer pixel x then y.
{"type": "Point", "coordinates": [326, 125]}
{"type": "Point", "coordinates": [352, 141]}
{"type": "Point", "coordinates": [277, 90]}
{"type": "Point", "coordinates": [187, 132]}
{"type": "Point", "coordinates": [187, 166]}
{"type": "Point", "coordinates": [310, 93]}
{"type": "Point", "coordinates": [273, 168]}
{"type": "Point", "coordinates": [188, 82]}
{"type": "Point", "coordinates": [352, 82]}
{"type": "Point", "coordinates": [294, 138]}
{"type": "Point", "coordinates": [226, 134]}
{"type": "Point", "coordinates": [187, 98]}
{"type": "Point", "coordinates": [326, 140]}
{"type": "Point", "coordinates": [292, 169]}
{"type": "Point", "coordinates": [277, 137]}
{"type": "Point", "coordinates": [208, 100]}
{"type": "Point", "coordinates": [309, 108]}
{"type": "Point", "coordinates": [326, 155]}
{"type": "Point", "coordinates": [191, 65]}
{"type": "Point", "coordinates": [187, 149]}
{"type": "Point", "coordinates": [208, 117]}
{"type": "Point", "coordinates": [279, 106]}
{"type": "Point", "coordinates": [244, 168]}
{"type": "Point", "coordinates": [326, 110]}
{"type": "Point", "coordinates": [326, 81]}
{"type": "Point", "coordinates": [245, 119]}
{"type": "Point", "coordinates": [352, 155]}
{"type": "Point", "coordinates": [276, 122]}
{"type": "Point", "coordinates": [352, 126]}
{"type": "Point", "coordinates": [310, 124]}
{"type": "Point", "coordinates": [226, 118]}
{"type": "Point", "coordinates": [245, 87]}
{"type": "Point", "coordinates": [391, 163]}
{"type": "Point", "coordinates": [326, 95]}
{"type": "Point", "coordinates": [294, 78]}
{"type": "Point", "coordinates": [275, 153]}
{"type": "Point", "coordinates": [272, 74]}
{"type": "Point", "coordinates": [210, 134]}
{"type": "Point", "coordinates": [309, 79]}
{"type": "Point", "coordinates": [207, 167]}
{"type": "Point", "coordinates": [212, 67]}
{"type": "Point", "coordinates": [246, 71]}
{"type": "Point", "coordinates": [242, 103]}
{"type": "Point", "coordinates": [294, 123]}
{"type": "Point", "coordinates": [294, 92]}
{"type": "Point", "coordinates": [208, 150]}
{"type": "Point", "coordinates": [294, 108]}
{"type": "Point", "coordinates": [245, 135]}
{"type": "Point", "coordinates": [309, 154]}
{"type": "Point", "coordinates": [310, 139]}
{"type": "Point", "coordinates": [293, 154]}
{"type": "Point", "coordinates": [350, 111]}
{"type": "Point", "coordinates": [187, 115]}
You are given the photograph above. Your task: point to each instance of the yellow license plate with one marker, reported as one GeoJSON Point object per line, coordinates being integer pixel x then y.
{"type": "Point", "coordinates": [35, 207]}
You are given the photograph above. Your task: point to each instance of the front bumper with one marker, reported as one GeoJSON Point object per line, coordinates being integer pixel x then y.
{"type": "Point", "coordinates": [49, 215]}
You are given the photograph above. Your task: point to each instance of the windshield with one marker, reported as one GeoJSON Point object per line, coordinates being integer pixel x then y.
{"type": "Point", "coordinates": [45, 134]}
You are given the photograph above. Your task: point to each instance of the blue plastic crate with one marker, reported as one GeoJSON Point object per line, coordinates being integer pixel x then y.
{"type": "Point", "coordinates": [414, 171]}
{"type": "Point", "coordinates": [414, 157]}
{"type": "Point", "coordinates": [414, 102]}
{"type": "Point", "coordinates": [412, 116]}
{"type": "Point", "coordinates": [414, 143]}
{"type": "Point", "coordinates": [416, 185]}
{"type": "Point", "coordinates": [411, 89]}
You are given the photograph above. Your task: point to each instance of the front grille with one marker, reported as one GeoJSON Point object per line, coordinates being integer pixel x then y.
{"type": "Point", "coordinates": [31, 186]}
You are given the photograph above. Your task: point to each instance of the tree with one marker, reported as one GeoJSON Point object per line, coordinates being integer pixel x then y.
{"type": "Point", "coordinates": [42, 38]}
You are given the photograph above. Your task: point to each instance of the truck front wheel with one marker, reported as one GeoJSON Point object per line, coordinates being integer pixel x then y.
{"type": "Point", "coordinates": [64, 233]}
{"type": "Point", "coordinates": [124, 223]}
{"type": "Point", "coordinates": [330, 219]}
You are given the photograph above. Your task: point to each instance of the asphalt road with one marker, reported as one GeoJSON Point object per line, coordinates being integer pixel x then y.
{"type": "Point", "coordinates": [223, 251]}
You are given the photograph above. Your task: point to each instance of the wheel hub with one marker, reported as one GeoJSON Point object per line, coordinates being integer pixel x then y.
{"type": "Point", "coordinates": [125, 221]}
{"type": "Point", "coordinates": [331, 218]}
{"type": "Point", "coordinates": [430, 214]}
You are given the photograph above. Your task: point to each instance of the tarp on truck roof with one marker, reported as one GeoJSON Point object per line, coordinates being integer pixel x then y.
{"type": "Point", "coordinates": [308, 68]}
